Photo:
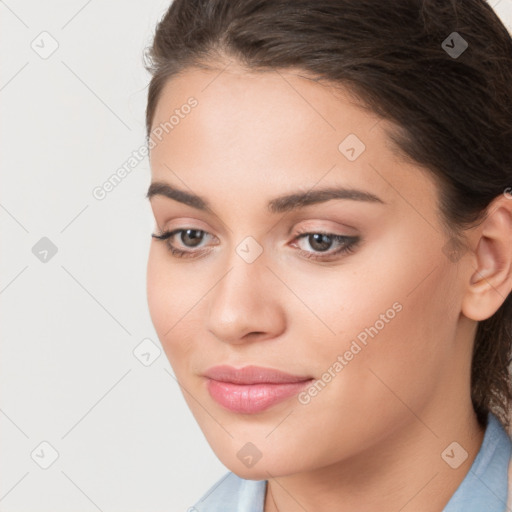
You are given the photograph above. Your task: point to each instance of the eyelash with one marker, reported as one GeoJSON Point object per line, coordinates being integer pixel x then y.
{"type": "Point", "coordinates": [349, 241]}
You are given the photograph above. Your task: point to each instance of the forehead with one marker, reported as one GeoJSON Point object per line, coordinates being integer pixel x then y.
{"type": "Point", "coordinates": [279, 128]}
{"type": "Point", "coordinates": [274, 98]}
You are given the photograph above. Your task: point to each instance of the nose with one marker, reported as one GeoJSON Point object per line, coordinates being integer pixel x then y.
{"type": "Point", "coordinates": [245, 304]}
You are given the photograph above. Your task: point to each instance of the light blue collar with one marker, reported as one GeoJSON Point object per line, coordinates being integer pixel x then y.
{"type": "Point", "coordinates": [485, 486]}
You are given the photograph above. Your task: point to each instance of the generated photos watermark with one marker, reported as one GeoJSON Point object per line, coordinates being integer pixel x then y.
{"type": "Point", "coordinates": [100, 192]}
{"type": "Point", "coordinates": [356, 346]}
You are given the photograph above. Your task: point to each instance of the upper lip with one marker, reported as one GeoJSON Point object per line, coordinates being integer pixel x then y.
{"type": "Point", "coordinates": [252, 375]}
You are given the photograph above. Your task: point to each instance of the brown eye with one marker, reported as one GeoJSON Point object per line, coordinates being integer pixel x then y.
{"type": "Point", "coordinates": [319, 241]}
{"type": "Point", "coordinates": [191, 237]}
{"type": "Point", "coordinates": [188, 239]}
{"type": "Point", "coordinates": [320, 245]}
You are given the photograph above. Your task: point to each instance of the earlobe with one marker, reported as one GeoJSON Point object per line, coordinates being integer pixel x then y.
{"type": "Point", "coordinates": [491, 281]}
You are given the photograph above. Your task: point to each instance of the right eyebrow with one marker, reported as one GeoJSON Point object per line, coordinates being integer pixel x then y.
{"type": "Point", "coordinates": [159, 188]}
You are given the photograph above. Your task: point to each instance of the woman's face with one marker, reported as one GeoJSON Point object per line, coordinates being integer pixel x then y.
{"type": "Point", "coordinates": [372, 317]}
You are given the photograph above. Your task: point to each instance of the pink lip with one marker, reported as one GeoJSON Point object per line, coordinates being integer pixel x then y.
{"type": "Point", "coordinates": [252, 389]}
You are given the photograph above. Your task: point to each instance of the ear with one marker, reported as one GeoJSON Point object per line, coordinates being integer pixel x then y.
{"type": "Point", "coordinates": [491, 280]}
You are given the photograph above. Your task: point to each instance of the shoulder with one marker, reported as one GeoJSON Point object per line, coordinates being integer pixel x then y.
{"type": "Point", "coordinates": [232, 494]}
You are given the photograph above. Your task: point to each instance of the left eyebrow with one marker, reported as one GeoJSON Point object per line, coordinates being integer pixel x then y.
{"type": "Point", "coordinates": [299, 200]}
{"type": "Point", "coordinates": [281, 204]}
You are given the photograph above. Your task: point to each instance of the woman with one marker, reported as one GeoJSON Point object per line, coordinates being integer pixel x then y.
{"type": "Point", "coordinates": [331, 268]}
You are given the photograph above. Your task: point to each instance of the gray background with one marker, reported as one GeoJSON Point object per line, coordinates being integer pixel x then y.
{"type": "Point", "coordinates": [72, 373]}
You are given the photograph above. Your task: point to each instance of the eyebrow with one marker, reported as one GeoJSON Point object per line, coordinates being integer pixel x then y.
{"type": "Point", "coordinates": [282, 204]}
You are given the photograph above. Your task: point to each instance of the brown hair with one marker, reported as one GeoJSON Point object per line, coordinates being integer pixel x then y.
{"type": "Point", "coordinates": [453, 112]}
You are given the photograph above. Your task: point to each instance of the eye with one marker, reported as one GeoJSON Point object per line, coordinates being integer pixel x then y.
{"type": "Point", "coordinates": [321, 242]}
{"type": "Point", "coordinates": [188, 237]}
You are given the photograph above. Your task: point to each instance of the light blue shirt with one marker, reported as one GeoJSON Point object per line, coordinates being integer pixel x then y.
{"type": "Point", "coordinates": [484, 488]}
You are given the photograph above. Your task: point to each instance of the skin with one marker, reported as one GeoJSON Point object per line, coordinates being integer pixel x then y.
{"type": "Point", "coordinates": [405, 397]}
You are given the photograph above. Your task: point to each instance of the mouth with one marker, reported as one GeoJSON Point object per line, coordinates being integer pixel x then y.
{"type": "Point", "coordinates": [252, 389]}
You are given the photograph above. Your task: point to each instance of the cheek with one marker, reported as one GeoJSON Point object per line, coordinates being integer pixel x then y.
{"type": "Point", "coordinates": [164, 295]}
{"type": "Point", "coordinates": [393, 313]}
{"type": "Point", "coordinates": [172, 297]}
{"type": "Point", "coordinates": [400, 362]}
{"type": "Point", "coordinates": [155, 287]}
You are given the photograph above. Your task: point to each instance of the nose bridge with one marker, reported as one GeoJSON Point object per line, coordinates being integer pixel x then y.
{"type": "Point", "coordinates": [247, 271]}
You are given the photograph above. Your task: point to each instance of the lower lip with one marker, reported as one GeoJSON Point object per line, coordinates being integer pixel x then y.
{"type": "Point", "coordinates": [252, 398]}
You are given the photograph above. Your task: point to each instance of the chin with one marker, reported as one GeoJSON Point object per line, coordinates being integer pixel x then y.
{"type": "Point", "coordinates": [265, 468]}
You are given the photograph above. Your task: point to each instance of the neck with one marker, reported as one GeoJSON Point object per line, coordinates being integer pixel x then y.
{"type": "Point", "coordinates": [406, 472]}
